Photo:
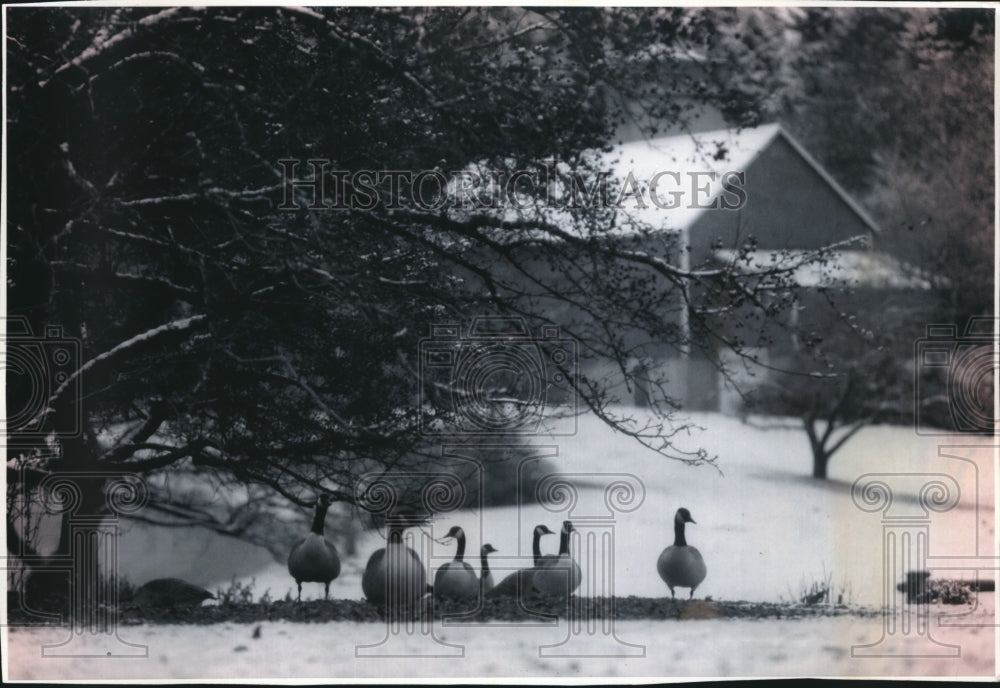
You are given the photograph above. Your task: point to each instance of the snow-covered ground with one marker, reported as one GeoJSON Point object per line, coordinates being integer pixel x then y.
{"type": "Point", "coordinates": [766, 530]}
{"type": "Point", "coordinates": [693, 648]}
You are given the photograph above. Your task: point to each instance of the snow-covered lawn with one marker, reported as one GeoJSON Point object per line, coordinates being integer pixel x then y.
{"type": "Point", "coordinates": [766, 530]}
{"type": "Point", "coordinates": [695, 648]}
{"type": "Point", "coordinates": [765, 527]}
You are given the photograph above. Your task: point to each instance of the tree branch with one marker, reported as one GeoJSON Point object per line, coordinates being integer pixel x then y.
{"type": "Point", "coordinates": [143, 338]}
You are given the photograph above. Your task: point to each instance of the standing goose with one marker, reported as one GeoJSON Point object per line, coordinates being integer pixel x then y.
{"type": "Point", "coordinates": [456, 579]}
{"type": "Point", "coordinates": [485, 575]}
{"type": "Point", "coordinates": [558, 576]}
{"type": "Point", "coordinates": [681, 565]}
{"type": "Point", "coordinates": [314, 559]}
{"type": "Point", "coordinates": [394, 576]}
{"type": "Point", "coordinates": [518, 583]}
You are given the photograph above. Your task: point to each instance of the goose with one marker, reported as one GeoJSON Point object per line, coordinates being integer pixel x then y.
{"type": "Point", "coordinates": [681, 565]}
{"type": "Point", "coordinates": [170, 592]}
{"type": "Point", "coordinates": [485, 575]}
{"type": "Point", "coordinates": [314, 559]}
{"type": "Point", "coordinates": [558, 576]}
{"type": "Point", "coordinates": [519, 582]}
{"type": "Point", "coordinates": [456, 579]}
{"type": "Point", "coordinates": [394, 574]}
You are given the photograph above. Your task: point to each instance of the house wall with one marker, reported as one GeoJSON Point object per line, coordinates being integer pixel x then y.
{"type": "Point", "coordinates": [788, 205]}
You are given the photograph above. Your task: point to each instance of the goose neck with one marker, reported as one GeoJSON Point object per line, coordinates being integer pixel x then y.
{"type": "Point", "coordinates": [536, 546]}
{"type": "Point", "coordinates": [679, 540]}
{"type": "Point", "coordinates": [564, 542]}
{"type": "Point", "coordinates": [319, 519]}
{"type": "Point", "coordinates": [484, 564]}
{"type": "Point", "coordinates": [460, 552]}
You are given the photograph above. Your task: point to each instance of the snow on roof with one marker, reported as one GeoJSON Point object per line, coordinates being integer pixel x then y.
{"type": "Point", "coordinates": [692, 157]}
{"type": "Point", "coordinates": [718, 151]}
{"type": "Point", "coordinates": [842, 269]}
{"type": "Point", "coordinates": [661, 184]}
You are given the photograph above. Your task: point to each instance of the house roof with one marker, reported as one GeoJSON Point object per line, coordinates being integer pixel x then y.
{"type": "Point", "coordinates": [718, 151]}
{"type": "Point", "coordinates": [687, 156]}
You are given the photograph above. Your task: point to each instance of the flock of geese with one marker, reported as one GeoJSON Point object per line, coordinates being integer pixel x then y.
{"type": "Point", "coordinates": [395, 575]}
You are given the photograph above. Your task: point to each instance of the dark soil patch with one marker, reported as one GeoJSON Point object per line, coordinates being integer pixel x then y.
{"type": "Point", "coordinates": [504, 610]}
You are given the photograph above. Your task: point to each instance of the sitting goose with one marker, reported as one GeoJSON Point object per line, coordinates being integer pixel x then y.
{"type": "Point", "coordinates": [314, 559]}
{"type": "Point", "coordinates": [681, 565]}
{"type": "Point", "coordinates": [558, 576]}
{"type": "Point", "coordinates": [456, 579]}
{"type": "Point", "coordinates": [518, 583]}
{"type": "Point", "coordinates": [485, 575]}
{"type": "Point", "coordinates": [170, 592]}
{"type": "Point", "coordinates": [394, 575]}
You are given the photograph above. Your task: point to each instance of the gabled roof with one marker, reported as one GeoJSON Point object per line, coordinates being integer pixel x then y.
{"type": "Point", "coordinates": [718, 151]}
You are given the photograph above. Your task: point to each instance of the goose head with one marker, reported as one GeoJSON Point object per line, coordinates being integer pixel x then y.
{"type": "Point", "coordinates": [487, 549]}
{"type": "Point", "coordinates": [324, 500]}
{"type": "Point", "coordinates": [682, 516]}
{"type": "Point", "coordinates": [568, 528]}
{"type": "Point", "coordinates": [542, 530]}
{"type": "Point", "coordinates": [455, 532]}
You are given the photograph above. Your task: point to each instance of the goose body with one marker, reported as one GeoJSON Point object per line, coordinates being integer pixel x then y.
{"type": "Point", "coordinates": [560, 575]}
{"type": "Point", "coordinates": [681, 565]}
{"type": "Point", "coordinates": [519, 583]}
{"type": "Point", "coordinates": [394, 576]}
{"type": "Point", "coordinates": [170, 592]}
{"type": "Point", "coordinates": [485, 575]}
{"type": "Point", "coordinates": [456, 579]}
{"type": "Point", "coordinates": [314, 559]}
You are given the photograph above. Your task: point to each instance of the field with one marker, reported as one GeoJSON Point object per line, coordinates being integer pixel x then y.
{"type": "Point", "coordinates": [769, 533]}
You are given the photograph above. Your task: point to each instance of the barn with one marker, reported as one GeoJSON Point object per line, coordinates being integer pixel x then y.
{"type": "Point", "coordinates": [749, 199]}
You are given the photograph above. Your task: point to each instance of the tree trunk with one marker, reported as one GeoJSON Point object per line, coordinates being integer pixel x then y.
{"type": "Point", "coordinates": [820, 456]}
{"type": "Point", "coordinates": [820, 461]}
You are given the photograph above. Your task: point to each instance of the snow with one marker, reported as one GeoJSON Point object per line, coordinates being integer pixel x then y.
{"type": "Point", "coordinates": [767, 532]}
{"type": "Point", "coordinates": [695, 648]}
{"type": "Point", "coordinates": [698, 160]}
{"type": "Point", "coordinates": [752, 513]}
